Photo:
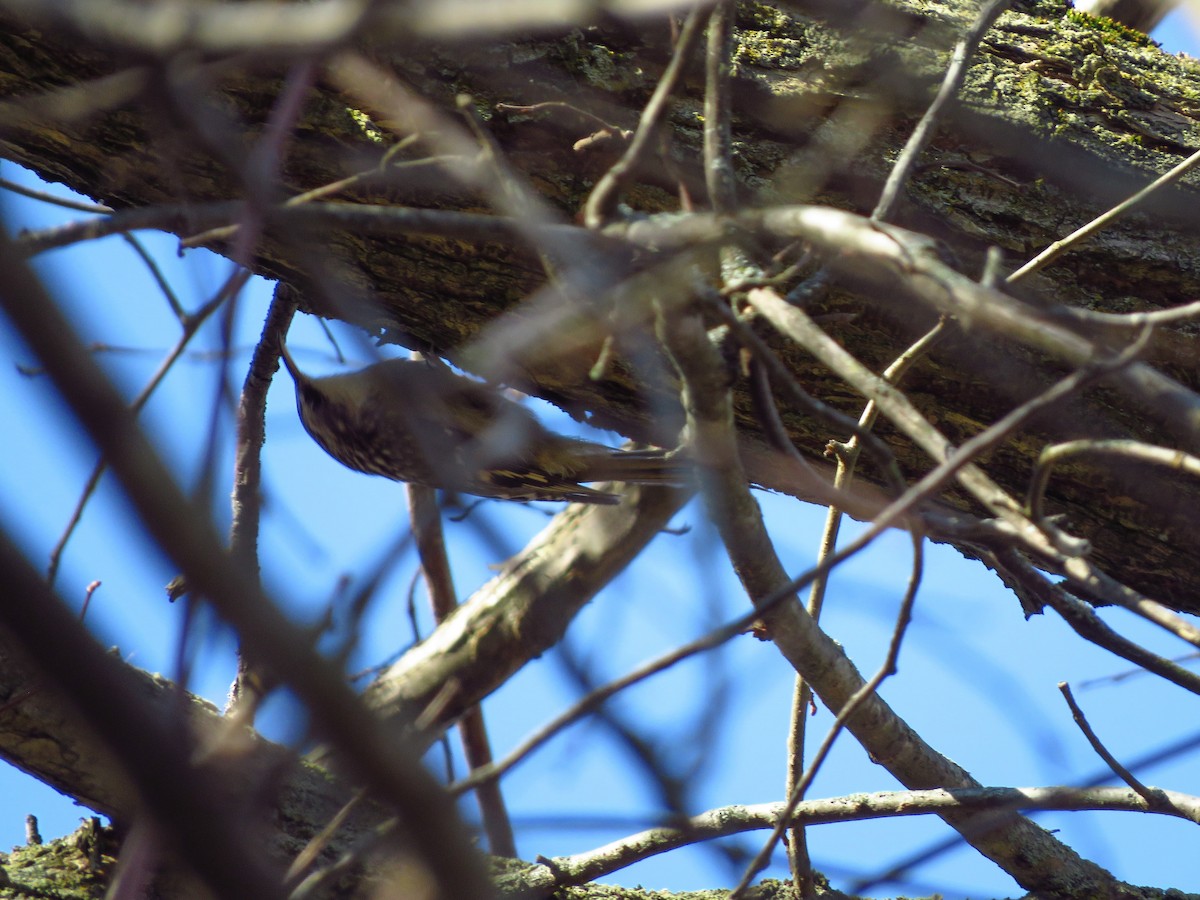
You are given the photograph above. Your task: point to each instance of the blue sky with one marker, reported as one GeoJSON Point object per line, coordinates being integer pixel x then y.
{"type": "Point", "coordinates": [976, 680]}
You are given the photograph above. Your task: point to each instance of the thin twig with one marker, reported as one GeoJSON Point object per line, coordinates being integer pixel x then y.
{"type": "Point", "coordinates": [313, 884]}
{"type": "Point", "coordinates": [426, 520]}
{"type": "Point", "coordinates": [951, 82]}
{"type": "Point", "coordinates": [190, 326]}
{"type": "Point", "coordinates": [47, 197]}
{"type": "Point", "coordinates": [767, 414]}
{"type": "Point", "coordinates": [1058, 248]}
{"type": "Point", "coordinates": [378, 173]}
{"type": "Point", "coordinates": [156, 273]}
{"type": "Point", "coordinates": [319, 841]}
{"type": "Point", "coordinates": [795, 324]}
{"type": "Point", "coordinates": [505, 189]}
{"type": "Point", "coordinates": [1135, 450]}
{"type": "Point", "coordinates": [847, 460]}
{"type": "Point", "coordinates": [782, 377]}
{"type": "Point", "coordinates": [1123, 448]}
{"type": "Point", "coordinates": [718, 127]}
{"type": "Point", "coordinates": [617, 130]}
{"type": "Point", "coordinates": [1083, 619]}
{"type": "Point", "coordinates": [605, 194]}
{"type": "Point", "coordinates": [1134, 320]}
{"type": "Point", "coordinates": [660, 763]}
{"type": "Point", "coordinates": [1153, 797]}
{"type": "Point", "coordinates": [596, 697]}
{"type": "Point", "coordinates": [886, 668]}
{"type": "Point", "coordinates": [1128, 674]}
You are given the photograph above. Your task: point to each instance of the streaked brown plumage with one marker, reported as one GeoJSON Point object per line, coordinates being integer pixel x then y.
{"type": "Point", "coordinates": [422, 423]}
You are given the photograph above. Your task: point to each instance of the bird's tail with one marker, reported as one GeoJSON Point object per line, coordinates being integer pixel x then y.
{"type": "Point", "coordinates": [637, 467]}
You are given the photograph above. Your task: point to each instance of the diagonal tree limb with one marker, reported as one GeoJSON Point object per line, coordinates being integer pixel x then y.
{"type": "Point", "coordinates": [1035, 860]}
{"type": "Point", "coordinates": [524, 610]}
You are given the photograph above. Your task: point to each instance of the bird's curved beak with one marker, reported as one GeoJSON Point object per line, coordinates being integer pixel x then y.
{"type": "Point", "coordinates": [290, 363]}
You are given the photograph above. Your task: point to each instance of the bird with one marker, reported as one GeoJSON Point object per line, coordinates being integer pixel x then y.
{"type": "Point", "coordinates": [422, 423]}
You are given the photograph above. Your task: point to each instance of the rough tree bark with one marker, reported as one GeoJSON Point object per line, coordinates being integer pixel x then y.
{"type": "Point", "coordinates": [1060, 117]}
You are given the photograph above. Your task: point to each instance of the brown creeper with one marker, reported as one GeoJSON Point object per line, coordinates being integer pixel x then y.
{"type": "Point", "coordinates": [422, 423]}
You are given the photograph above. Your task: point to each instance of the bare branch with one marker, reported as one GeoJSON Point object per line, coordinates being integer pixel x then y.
{"type": "Point", "coordinates": [584, 867]}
